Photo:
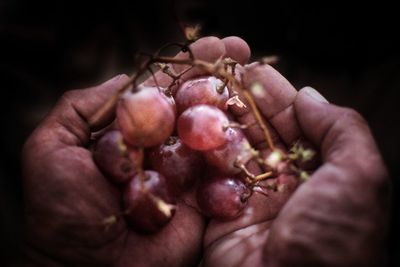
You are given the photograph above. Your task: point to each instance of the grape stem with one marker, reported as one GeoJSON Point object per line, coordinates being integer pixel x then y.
{"type": "Point", "coordinates": [95, 120]}
{"type": "Point", "coordinates": [219, 69]}
{"type": "Point", "coordinates": [260, 121]}
{"type": "Point", "coordinates": [252, 179]}
{"type": "Point", "coordinates": [138, 163]}
{"type": "Point", "coordinates": [162, 206]}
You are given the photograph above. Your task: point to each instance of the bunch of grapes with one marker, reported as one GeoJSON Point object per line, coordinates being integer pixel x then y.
{"type": "Point", "coordinates": [168, 141]}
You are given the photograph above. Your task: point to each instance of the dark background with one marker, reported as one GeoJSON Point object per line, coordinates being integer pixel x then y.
{"type": "Point", "coordinates": [348, 53]}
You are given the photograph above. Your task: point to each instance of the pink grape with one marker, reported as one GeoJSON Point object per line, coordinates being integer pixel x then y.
{"type": "Point", "coordinates": [143, 210]}
{"type": "Point", "coordinates": [202, 127]}
{"type": "Point", "coordinates": [146, 117]}
{"type": "Point", "coordinates": [236, 150]}
{"type": "Point", "coordinates": [222, 197]}
{"type": "Point", "coordinates": [111, 155]}
{"type": "Point", "coordinates": [180, 165]}
{"type": "Point", "coordinates": [203, 90]}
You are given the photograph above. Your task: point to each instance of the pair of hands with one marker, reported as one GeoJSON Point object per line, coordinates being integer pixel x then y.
{"type": "Point", "coordinates": [337, 218]}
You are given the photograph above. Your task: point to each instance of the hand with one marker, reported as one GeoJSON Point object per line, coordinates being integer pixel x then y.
{"type": "Point", "coordinates": [67, 198]}
{"type": "Point", "coordinates": [338, 217]}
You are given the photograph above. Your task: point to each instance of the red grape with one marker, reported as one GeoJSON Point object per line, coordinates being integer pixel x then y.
{"type": "Point", "coordinates": [146, 117]}
{"type": "Point", "coordinates": [111, 155]}
{"type": "Point", "coordinates": [206, 90]}
{"type": "Point", "coordinates": [180, 165]}
{"type": "Point", "coordinates": [222, 198]}
{"type": "Point", "coordinates": [202, 127]}
{"type": "Point", "coordinates": [148, 208]}
{"type": "Point", "coordinates": [236, 150]}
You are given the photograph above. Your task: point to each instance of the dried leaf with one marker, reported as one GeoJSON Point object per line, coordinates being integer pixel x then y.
{"type": "Point", "coordinates": [235, 100]}
{"type": "Point", "coordinates": [192, 33]}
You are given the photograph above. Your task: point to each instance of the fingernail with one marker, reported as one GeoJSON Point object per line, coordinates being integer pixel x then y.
{"type": "Point", "coordinates": [311, 92]}
{"type": "Point", "coordinates": [116, 78]}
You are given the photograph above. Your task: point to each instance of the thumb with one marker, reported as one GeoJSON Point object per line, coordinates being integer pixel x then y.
{"type": "Point", "coordinates": [67, 124]}
{"type": "Point", "coordinates": [342, 209]}
{"type": "Point", "coordinates": [342, 135]}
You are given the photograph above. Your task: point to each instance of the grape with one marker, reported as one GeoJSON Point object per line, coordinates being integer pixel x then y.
{"type": "Point", "coordinates": [146, 117]}
{"type": "Point", "coordinates": [236, 150]}
{"type": "Point", "coordinates": [178, 163]}
{"type": "Point", "coordinates": [222, 197]}
{"type": "Point", "coordinates": [111, 155]}
{"type": "Point", "coordinates": [202, 127]}
{"type": "Point", "coordinates": [149, 208]}
{"type": "Point", "coordinates": [202, 91]}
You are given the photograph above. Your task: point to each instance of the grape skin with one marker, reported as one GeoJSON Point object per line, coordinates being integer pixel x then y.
{"type": "Point", "coordinates": [180, 165]}
{"type": "Point", "coordinates": [146, 117]}
{"type": "Point", "coordinates": [202, 90]}
{"type": "Point", "coordinates": [222, 197]}
{"type": "Point", "coordinates": [202, 127]}
{"type": "Point", "coordinates": [111, 155]}
{"type": "Point", "coordinates": [236, 151]}
{"type": "Point", "coordinates": [142, 212]}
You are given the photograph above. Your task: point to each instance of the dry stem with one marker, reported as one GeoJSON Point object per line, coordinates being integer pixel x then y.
{"type": "Point", "coordinates": [219, 69]}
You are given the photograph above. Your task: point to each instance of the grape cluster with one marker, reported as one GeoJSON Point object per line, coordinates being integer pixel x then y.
{"type": "Point", "coordinates": [165, 145]}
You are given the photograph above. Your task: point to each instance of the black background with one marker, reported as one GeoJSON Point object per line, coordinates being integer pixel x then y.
{"type": "Point", "coordinates": [348, 53]}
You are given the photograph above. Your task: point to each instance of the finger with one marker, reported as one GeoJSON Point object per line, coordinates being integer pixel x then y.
{"type": "Point", "coordinates": [67, 124]}
{"type": "Point", "coordinates": [342, 134]}
{"type": "Point", "coordinates": [244, 116]}
{"type": "Point", "coordinates": [208, 49]}
{"type": "Point", "coordinates": [274, 96]}
{"type": "Point", "coordinates": [344, 205]}
{"type": "Point", "coordinates": [212, 49]}
{"type": "Point", "coordinates": [254, 133]}
{"type": "Point", "coordinates": [237, 49]}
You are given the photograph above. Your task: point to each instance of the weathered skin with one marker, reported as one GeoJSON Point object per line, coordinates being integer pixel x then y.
{"type": "Point", "coordinates": [341, 211]}
{"type": "Point", "coordinates": [67, 197]}
{"type": "Point", "coordinates": [338, 218]}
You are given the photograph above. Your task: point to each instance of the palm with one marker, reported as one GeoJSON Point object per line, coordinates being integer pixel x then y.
{"type": "Point", "coordinates": [317, 221]}
{"type": "Point", "coordinates": [66, 217]}
{"type": "Point", "coordinates": [241, 242]}
{"type": "Point", "coordinates": [67, 198]}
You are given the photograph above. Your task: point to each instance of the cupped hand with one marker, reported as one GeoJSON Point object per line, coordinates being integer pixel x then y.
{"type": "Point", "coordinates": [338, 217]}
{"type": "Point", "coordinates": [341, 211]}
{"type": "Point", "coordinates": [67, 198]}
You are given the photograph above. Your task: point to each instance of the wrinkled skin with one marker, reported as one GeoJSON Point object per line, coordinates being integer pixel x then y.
{"type": "Point", "coordinates": [338, 218]}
